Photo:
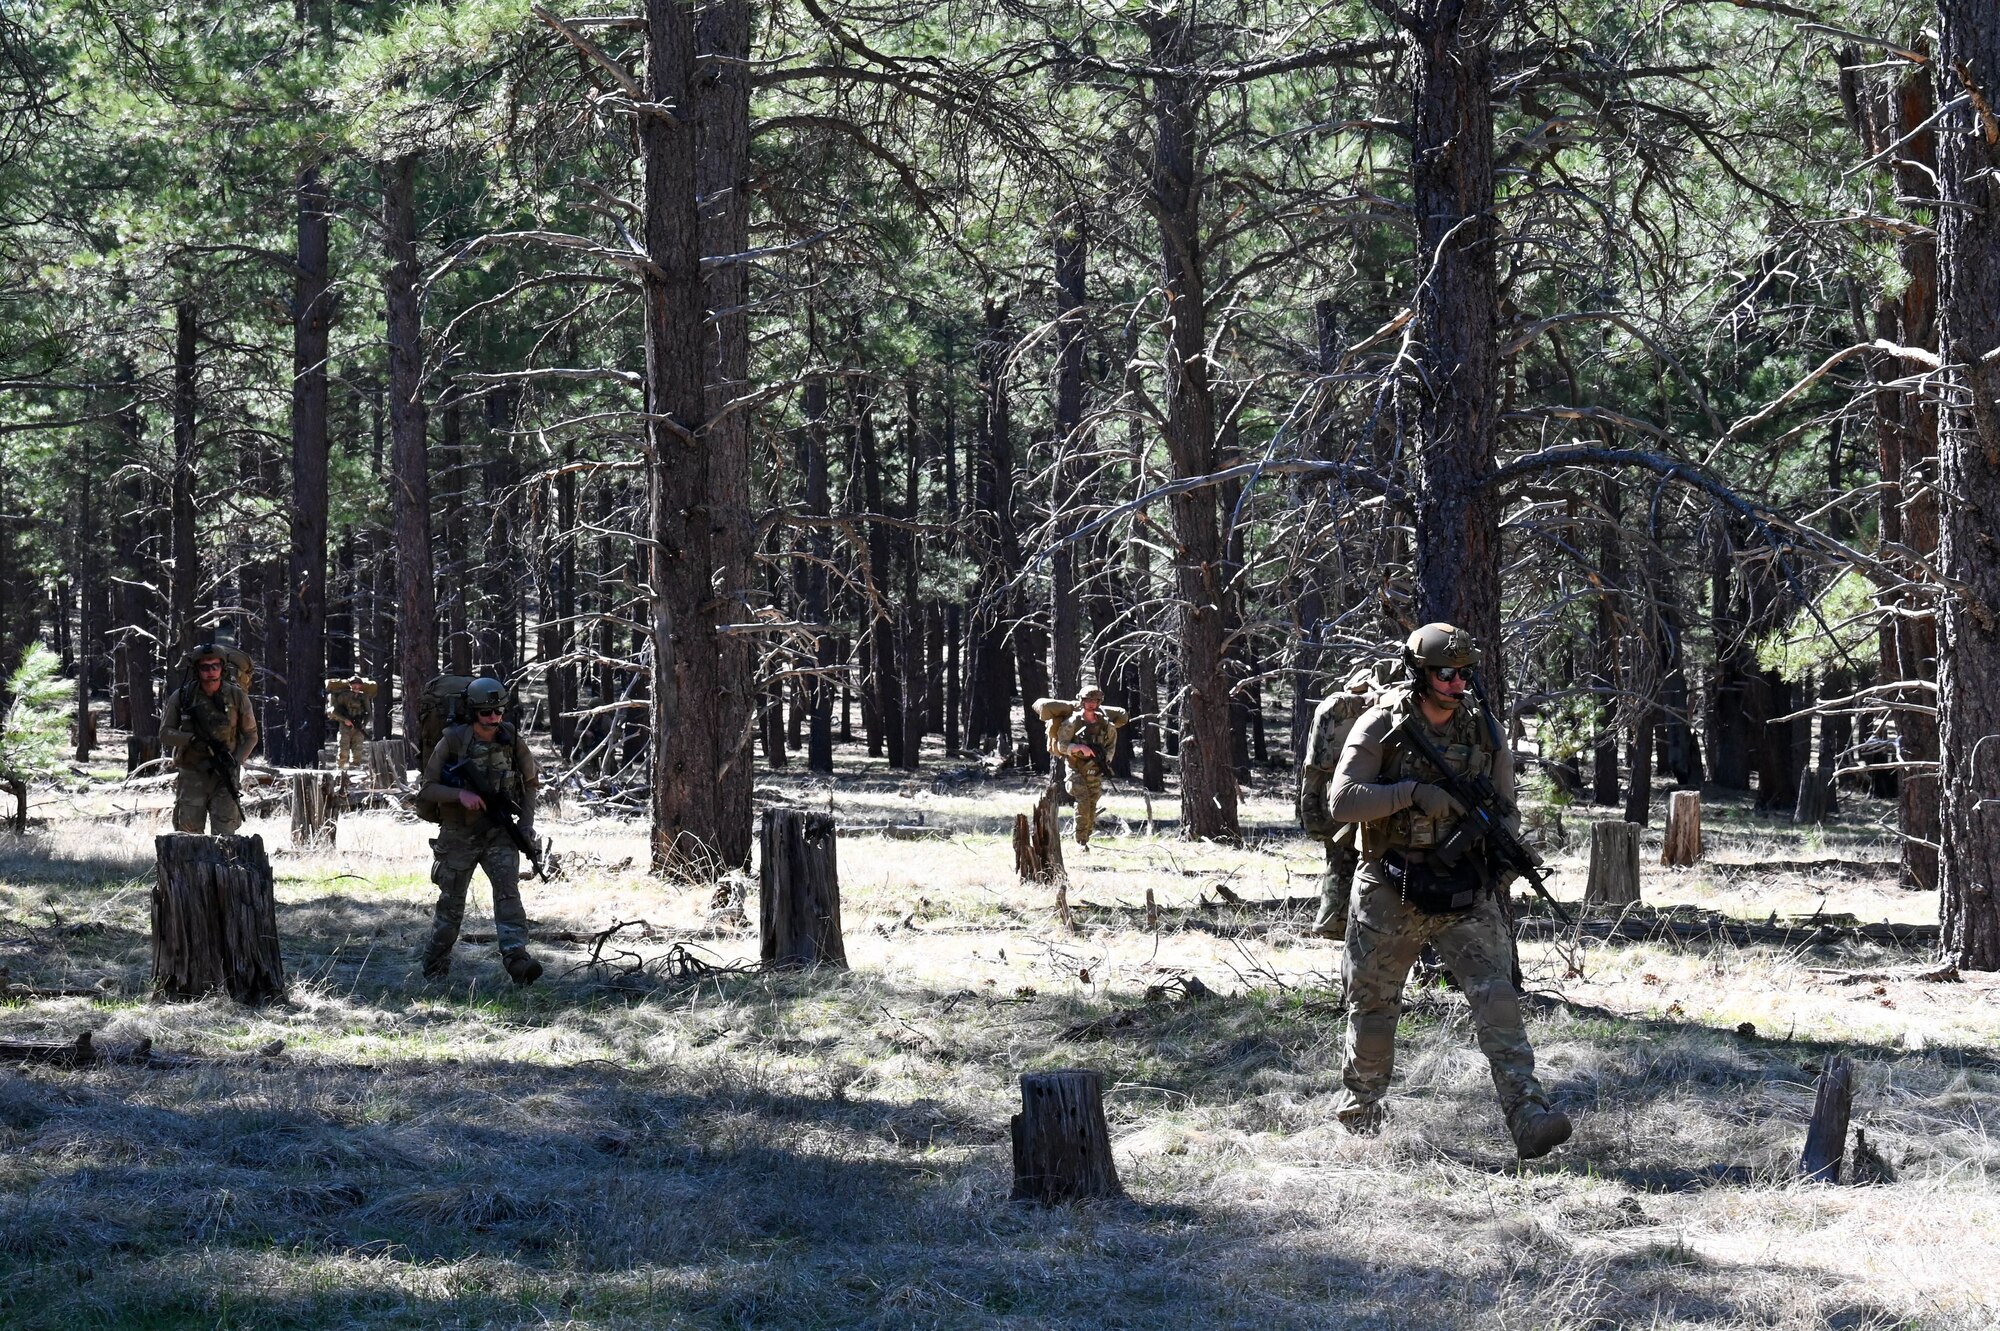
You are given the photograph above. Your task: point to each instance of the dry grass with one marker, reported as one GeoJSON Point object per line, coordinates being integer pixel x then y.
{"type": "Point", "coordinates": [620, 1148]}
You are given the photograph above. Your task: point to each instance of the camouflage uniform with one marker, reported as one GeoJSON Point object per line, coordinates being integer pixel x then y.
{"type": "Point", "coordinates": [201, 795]}
{"type": "Point", "coordinates": [469, 840]}
{"type": "Point", "coordinates": [347, 706]}
{"type": "Point", "coordinates": [1069, 728]}
{"type": "Point", "coordinates": [1376, 785]}
{"type": "Point", "coordinates": [1332, 720]}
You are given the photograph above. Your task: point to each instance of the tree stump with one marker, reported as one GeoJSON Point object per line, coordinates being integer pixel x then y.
{"type": "Point", "coordinates": [316, 802]}
{"type": "Point", "coordinates": [1815, 799]}
{"type": "Point", "coordinates": [1682, 846]}
{"type": "Point", "coordinates": [1614, 865]}
{"type": "Point", "coordinates": [1826, 1134]}
{"type": "Point", "coordinates": [1038, 856]}
{"type": "Point", "coordinates": [215, 919]}
{"type": "Point", "coordinates": [1062, 1146]}
{"type": "Point", "coordinates": [799, 891]}
{"type": "Point", "coordinates": [385, 759]}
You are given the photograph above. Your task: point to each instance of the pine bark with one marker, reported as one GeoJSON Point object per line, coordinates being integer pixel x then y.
{"type": "Point", "coordinates": [686, 689]}
{"type": "Point", "coordinates": [722, 174]}
{"type": "Point", "coordinates": [185, 582]}
{"type": "Point", "coordinates": [1968, 230]}
{"type": "Point", "coordinates": [1458, 553]}
{"type": "Point", "coordinates": [298, 739]}
{"type": "Point", "coordinates": [1208, 778]}
{"type": "Point", "coordinates": [416, 596]}
{"type": "Point", "coordinates": [1065, 607]}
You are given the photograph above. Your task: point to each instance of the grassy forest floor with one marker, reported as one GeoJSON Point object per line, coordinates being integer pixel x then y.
{"type": "Point", "coordinates": [648, 1143]}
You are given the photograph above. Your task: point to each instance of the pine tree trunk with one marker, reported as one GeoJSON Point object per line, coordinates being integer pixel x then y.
{"type": "Point", "coordinates": [416, 597]}
{"type": "Point", "coordinates": [1208, 777]}
{"type": "Point", "coordinates": [799, 891]}
{"type": "Point", "coordinates": [215, 921]}
{"type": "Point", "coordinates": [722, 169]}
{"type": "Point", "coordinates": [1065, 478]}
{"type": "Point", "coordinates": [1968, 231]}
{"type": "Point", "coordinates": [185, 582]}
{"type": "Point", "coordinates": [1458, 553]}
{"type": "Point", "coordinates": [680, 566]}
{"type": "Point", "coordinates": [298, 739]}
{"type": "Point", "coordinates": [1062, 1144]}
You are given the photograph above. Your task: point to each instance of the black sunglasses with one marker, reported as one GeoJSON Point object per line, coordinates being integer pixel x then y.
{"type": "Point", "coordinates": [490, 711]}
{"type": "Point", "coordinates": [1446, 674]}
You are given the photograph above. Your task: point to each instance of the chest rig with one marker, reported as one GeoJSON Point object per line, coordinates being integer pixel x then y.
{"type": "Point", "coordinates": [1100, 735]}
{"type": "Point", "coordinates": [1465, 743]}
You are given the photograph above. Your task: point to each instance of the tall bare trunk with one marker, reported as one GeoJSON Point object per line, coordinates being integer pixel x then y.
{"type": "Point", "coordinates": [416, 617]}
{"type": "Point", "coordinates": [1457, 521]}
{"type": "Point", "coordinates": [1208, 778]}
{"type": "Point", "coordinates": [299, 738]}
{"type": "Point", "coordinates": [1968, 231]}
{"type": "Point", "coordinates": [1065, 606]}
{"type": "Point", "coordinates": [686, 689]}
{"type": "Point", "coordinates": [722, 175]}
{"type": "Point", "coordinates": [186, 581]}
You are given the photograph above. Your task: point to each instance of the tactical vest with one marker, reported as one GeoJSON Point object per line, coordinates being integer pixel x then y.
{"type": "Point", "coordinates": [210, 714]}
{"type": "Point", "coordinates": [350, 705]}
{"type": "Point", "coordinates": [496, 765]}
{"type": "Point", "coordinates": [1465, 743]}
{"type": "Point", "coordinates": [1100, 735]}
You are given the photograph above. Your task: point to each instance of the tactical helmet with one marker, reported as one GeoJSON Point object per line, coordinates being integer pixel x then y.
{"type": "Point", "coordinates": [207, 651]}
{"type": "Point", "coordinates": [1436, 645]}
{"type": "Point", "coordinates": [1093, 691]}
{"type": "Point", "coordinates": [485, 691]}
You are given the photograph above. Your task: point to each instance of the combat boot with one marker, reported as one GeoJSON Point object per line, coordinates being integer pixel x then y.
{"type": "Point", "coordinates": [1537, 1130]}
{"type": "Point", "coordinates": [1363, 1120]}
{"type": "Point", "coordinates": [437, 962]}
{"type": "Point", "coordinates": [522, 969]}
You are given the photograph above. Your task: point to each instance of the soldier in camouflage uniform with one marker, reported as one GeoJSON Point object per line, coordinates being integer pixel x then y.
{"type": "Point", "coordinates": [467, 838]}
{"type": "Point", "coordinates": [1332, 720]}
{"type": "Point", "coordinates": [207, 705]}
{"type": "Point", "coordinates": [347, 706]}
{"type": "Point", "coordinates": [1083, 734]}
{"type": "Point", "coordinates": [1380, 784]}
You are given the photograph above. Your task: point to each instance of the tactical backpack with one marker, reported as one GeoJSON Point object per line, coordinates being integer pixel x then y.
{"type": "Point", "coordinates": [442, 706]}
{"type": "Point", "coordinates": [1333, 720]}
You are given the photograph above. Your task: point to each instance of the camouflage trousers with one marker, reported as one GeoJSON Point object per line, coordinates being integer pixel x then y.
{"type": "Point", "coordinates": [1384, 937]}
{"type": "Point", "coordinates": [1086, 787]}
{"type": "Point", "coordinates": [351, 745]}
{"type": "Point", "coordinates": [201, 797]}
{"type": "Point", "coordinates": [1336, 886]}
{"type": "Point", "coordinates": [459, 849]}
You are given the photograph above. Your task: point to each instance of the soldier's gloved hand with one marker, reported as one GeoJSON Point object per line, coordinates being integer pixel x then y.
{"type": "Point", "coordinates": [1436, 801]}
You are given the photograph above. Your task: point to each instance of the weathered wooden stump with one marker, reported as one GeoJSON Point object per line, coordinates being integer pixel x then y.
{"type": "Point", "coordinates": [1062, 1145]}
{"type": "Point", "coordinates": [1682, 846]}
{"type": "Point", "coordinates": [215, 919]}
{"type": "Point", "coordinates": [799, 890]}
{"type": "Point", "coordinates": [316, 801]}
{"type": "Point", "coordinates": [385, 758]}
{"type": "Point", "coordinates": [1826, 1134]}
{"type": "Point", "coordinates": [1614, 865]}
{"type": "Point", "coordinates": [1038, 855]}
{"type": "Point", "coordinates": [1815, 799]}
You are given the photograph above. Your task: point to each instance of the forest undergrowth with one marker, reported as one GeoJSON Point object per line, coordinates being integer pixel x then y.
{"type": "Point", "coordinates": [669, 1137]}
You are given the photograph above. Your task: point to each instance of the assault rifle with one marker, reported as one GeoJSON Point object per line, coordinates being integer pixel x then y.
{"type": "Point", "coordinates": [501, 811]}
{"type": "Point", "coordinates": [225, 762]}
{"type": "Point", "coordinates": [1482, 822]}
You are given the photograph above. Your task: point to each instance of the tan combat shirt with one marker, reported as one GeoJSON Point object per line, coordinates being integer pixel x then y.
{"type": "Point", "coordinates": [1360, 795]}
